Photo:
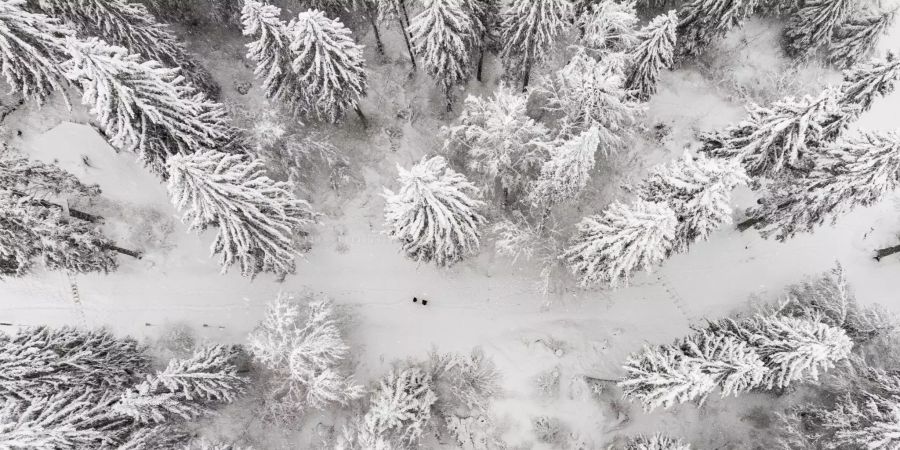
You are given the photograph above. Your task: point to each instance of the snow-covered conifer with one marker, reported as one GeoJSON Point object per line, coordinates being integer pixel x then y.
{"type": "Point", "coordinates": [813, 25]}
{"type": "Point", "coordinates": [52, 422]}
{"type": "Point", "coordinates": [444, 36]}
{"type": "Point", "coordinates": [611, 246]}
{"type": "Point", "coordinates": [498, 140]}
{"type": "Point", "coordinates": [462, 382]}
{"type": "Point", "coordinates": [129, 25]}
{"type": "Point", "coordinates": [699, 190]}
{"type": "Point", "coordinates": [208, 375]}
{"type": "Point", "coordinates": [703, 21]}
{"type": "Point", "coordinates": [147, 406]}
{"type": "Point", "coordinates": [654, 52]}
{"type": "Point", "coordinates": [485, 15]}
{"type": "Point", "coordinates": [257, 217]}
{"type": "Point", "coordinates": [33, 51]}
{"type": "Point", "coordinates": [143, 106]}
{"type": "Point", "coordinates": [400, 409]}
{"type": "Point", "coordinates": [329, 65]}
{"type": "Point", "coordinates": [865, 82]}
{"type": "Point", "coordinates": [529, 30]}
{"type": "Point", "coordinates": [587, 93]}
{"type": "Point", "coordinates": [657, 441]}
{"type": "Point", "coordinates": [395, 10]}
{"type": "Point", "coordinates": [567, 171]}
{"type": "Point", "coordinates": [435, 214]}
{"type": "Point", "coordinates": [609, 26]}
{"type": "Point", "coordinates": [855, 39]}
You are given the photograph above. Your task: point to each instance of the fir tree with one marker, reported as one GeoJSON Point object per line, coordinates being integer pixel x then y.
{"type": "Point", "coordinates": [567, 171]}
{"type": "Point", "coordinates": [142, 106]}
{"type": "Point", "coordinates": [257, 217]}
{"type": "Point", "coordinates": [813, 25]}
{"type": "Point", "coordinates": [33, 50]}
{"type": "Point", "coordinates": [611, 246]}
{"type": "Point", "coordinates": [443, 35]}
{"type": "Point", "coordinates": [51, 422]}
{"type": "Point", "coordinates": [400, 408]}
{"type": "Point", "coordinates": [434, 215]}
{"type": "Point", "coordinates": [657, 441]}
{"type": "Point", "coordinates": [863, 83]}
{"type": "Point", "coordinates": [654, 53]}
{"type": "Point", "coordinates": [329, 64]}
{"type": "Point", "coordinates": [703, 21]}
{"type": "Point", "coordinates": [529, 30]}
{"type": "Point", "coordinates": [855, 39]}
{"type": "Point", "coordinates": [609, 27]}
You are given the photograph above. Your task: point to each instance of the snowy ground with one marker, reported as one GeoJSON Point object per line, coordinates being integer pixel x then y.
{"type": "Point", "coordinates": [485, 302]}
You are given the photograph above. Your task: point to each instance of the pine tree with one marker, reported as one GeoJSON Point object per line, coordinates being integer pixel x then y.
{"type": "Point", "coordinates": [813, 25]}
{"type": "Point", "coordinates": [208, 375]}
{"type": "Point", "coordinates": [529, 30]}
{"type": "Point", "coordinates": [699, 190]}
{"type": "Point", "coordinates": [612, 245]}
{"type": "Point", "coordinates": [655, 52]}
{"type": "Point", "coordinates": [33, 51]}
{"type": "Point", "coordinates": [400, 408]}
{"type": "Point", "coordinates": [257, 217]}
{"type": "Point", "coordinates": [52, 422]}
{"type": "Point", "coordinates": [130, 25]}
{"type": "Point", "coordinates": [434, 214]}
{"type": "Point", "coordinates": [567, 171]}
{"type": "Point", "coordinates": [498, 140]}
{"type": "Point", "coordinates": [485, 15]}
{"type": "Point", "coordinates": [329, 64]}
{"type": "Point", "coordinates": [444, 36]}
{"type": "Point", "coordinates": [142, 106]}
{"type": "Point", "coordinates": [855, 39]}
{"type": "Point", "coordinates": [609, 27]}
{"type": "Point", "coordinates": [863, 83]}
{"type": "Point", "coordinates": [657, 441]}
{"type": "Point", "coordinates": [703, 21]}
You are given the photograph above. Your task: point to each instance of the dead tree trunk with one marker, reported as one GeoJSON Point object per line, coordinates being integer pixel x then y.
{"type": "Point", "coordinates": [888, 251]}
{"type": "Point", "coordinates": [362, 117]}
{"type": "Point", "coordinates": [749, 223]}
{"type": "Point", "coordinates": [132, 253]}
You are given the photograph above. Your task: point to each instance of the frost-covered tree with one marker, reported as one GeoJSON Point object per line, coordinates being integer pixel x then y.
{"type": "Point", "coordinates": [130, 25]}
{"type": "Point", "coordinates": [654, 52]}
{"type": "Point", "coordinates": [56, 421]}
{"type": "Point", "coordinates": [444, 36]}
{"type": "Point", "coordinates": [699, 190]}
{"type": "Point", "coordinates": [567, 171]}
{"type": "Point", "coordinates": [496, 138]}
{"type": "Point", "coordinates": [33, 50]}
{"type": "Point", "coordinates": [855, 39]}
{"type": "Point", "coordinates": [434, 215]}
{"type": "Point", "coordinates": [813, 25]}
{"type": "Point", "coordinates": [142, 106]}
{"type": "Point", "coordinates": [865, 82]}
{"type": "Point", "coordinates": [528, 32]}
{"type": "Point", "coordinates": [703, 21]}
{"type": "Point", "coordinates": [657, 441]}
{"type": "Point", "coordinates": [400, 408]}
{"type": "Point", "coordinates": [587, 93]}
{"type": "Point", "coordinates": [485, 15]}
{"type": "Point", "coordinates": [463, 383]}
{"type": "Point", "coordinates": [609, 247]}
{"type": "Point", "coordinates": [609, 26]}
{"type": "Point", "coordinates": [303, 347]}
{"type": "Point", "coordinates": [395, 10]}
{"type": "Point", "coordinates": [257, 218]}
{"type": "Point", "coordinates": [329, 65]}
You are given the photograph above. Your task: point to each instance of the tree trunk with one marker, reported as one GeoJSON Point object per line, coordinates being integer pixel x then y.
{"type": "Point", "coordinates": [403, 8]}
{"type": "Point", "coordinates": [379, 46]}
{"type": "Point", "coordinates": [412, 57]}
{"type": "Point", "coordinates": [362, 117]}
{"type": "Point", "coordinates": [881, 253]}
{"type": "Point", "coordinates": [480, 65]}
{"type": "Point", "coordinates": [448, 93]}
{"type": "Point", "coordinates": [749, 223]}
{"type": "Point", "coordinates": [124, 251]}
{"type": "Point", "coordinates": [527, 76]}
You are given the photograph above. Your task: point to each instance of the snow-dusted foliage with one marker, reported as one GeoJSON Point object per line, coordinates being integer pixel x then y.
{"type": "Point", "coordinates": [434, 215]}
{"type": "Point", "coordinates": [32, 50]}
{"type": "Point", "coordinates": [609, 247]}
{"type": "Point", "coordinates": [53, 422]}
{"type": "Point", "coordinates": [776, 138]}
{"type": "Point", "coordinates": [855, 39]}
{"type": "Point", "coordinates": [400, 409]}
{"type": "Point", "coordinates": [654, 52]}
{"type": "Point", "coordinates": [568, 170]}
{"type": "Point", "coordinates": [443, 35]}
{"type": "Point", "coordinates": [587, 92]}
{"type": "Point", "coordinates": [257, 218]}
{"type": "Point", "coordinates": [496, 139]}
{"type": "Point", "coordinates": [517, 238]}
{"type": "Point", "coordinates": [485, 15]}
{"type": "Point", "coordinates": [303, 347]}
{"type": "Point", "coordinates": [528, 32]}
{"type": "Point", "coordinates": [209, 374]}
{"type": "Point", "coordinates": [865, 82]}
{"type": "Point", "coordinates": [859, 171]}
{"type": "Point", "coordinates": [464, 384]}
{"type": "Point", "coordinates": [657, 441]}
{"type": "Point", "coordinates": [329, 65]}
{"type": "Point", "coordinates": [813, 25]}
{"type": "Point", "coordinates": [129, 25]}
{"type": "Point", "coordinates": [703, 21]}
{"type": "Point", "coordinates": [699, 190]}
{"type": "Point", "coordinates": [473, 433]}
{"type": "Point", "coordinates": [609, 26]}
{"type": "Point", "coordinates": [142, 106]}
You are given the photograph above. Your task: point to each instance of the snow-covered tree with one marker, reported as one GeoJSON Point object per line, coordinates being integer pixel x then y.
{"type": "Point", "coordinates": [33, 50]}
{"type": "Point", "coordinates": [329, 65]}
{"type": "Point", "coordinates": [703, 21]}
{"type": "Point", "coordinates": [304, 349]}
{"type": "Point", "coordinates": [699, 190]}
{"type": "Point", "coordinates": [52, 422]}
{"type": "Point", "coordinates": [865, 82]}
{"type": "Point", "coordinates": [400, 409]}
{"type": "Point", "coordinates": [567, 171]}
{"type": "Point", "coordinates": [435, 214]}
{"type": "Point", "coordinates": [611, 246]}
{"type": "Point", "coordinates": [257, 218]}
{"type": "Point", "coordinates": [859, 171]}
{"type": "Point", "coordinates": [813, 25]}
{"type": "Point", "coordinates": [528, 32]}
{"type": "Point", "coordinates": [654, 52]}
{"type": "Point", "coordinates": [496, 138]}
{"type": "Point", "coordinates": [855, 39]}
{"type": "Point", "coordinates": [485, 15]}
{"type": "Point", "coordinates": [777, 138]}
{"type": "Point", "coordinates": [657, 441]}
{"type": "Point", "coordinates": [395, 10]}
{"type": "Point", "coordinates": [129, 25]}
{"type": "Point", "coordinates": [444, 36]}
{"type": "Point", "coordinates": [587, 93]}
{"type": "Point", "coordinates": [142, 106]}
{"type": "Point", "coordinates": [463, 383]}
{"type": "Point", "coordinates": [609, 26]}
